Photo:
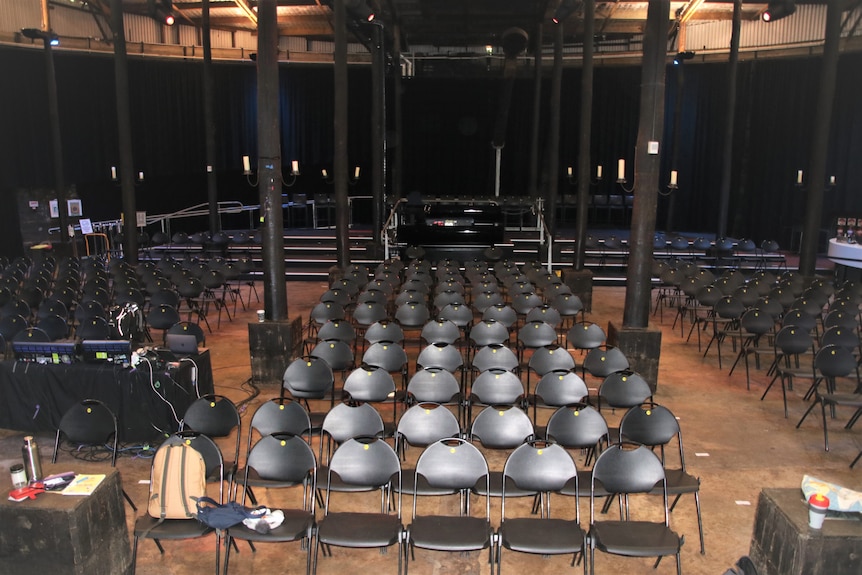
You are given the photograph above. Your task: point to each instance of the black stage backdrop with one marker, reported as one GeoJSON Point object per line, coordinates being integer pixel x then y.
{"type": "Point", "coordinates": [448, 125]}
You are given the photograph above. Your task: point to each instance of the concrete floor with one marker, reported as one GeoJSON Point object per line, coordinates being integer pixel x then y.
{"type": "Point", "coordinates": [736, 443]}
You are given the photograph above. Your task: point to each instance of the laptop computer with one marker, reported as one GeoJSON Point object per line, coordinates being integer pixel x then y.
{"type": "Point", "coordinates": [179, 345]}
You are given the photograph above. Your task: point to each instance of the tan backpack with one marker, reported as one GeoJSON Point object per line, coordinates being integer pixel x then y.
{"type": "Point", "coordinates": [178, 481]}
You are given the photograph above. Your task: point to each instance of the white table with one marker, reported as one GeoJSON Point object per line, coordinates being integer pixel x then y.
{"type": "Point", "coordinates": [845, 254]}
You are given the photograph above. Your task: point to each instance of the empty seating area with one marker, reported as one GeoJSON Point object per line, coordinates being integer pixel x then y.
{"type": "Point", "coordinates": [47, 299]}
{"type": "Point", "coordinates": [773, 331]}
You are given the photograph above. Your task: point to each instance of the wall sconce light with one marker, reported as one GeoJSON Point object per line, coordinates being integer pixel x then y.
{"type": "Point", "coordinates": [801, 184]}
{"type": "Point", "coordinates": [621, 176]}
{"type": "Point", "coordinates": [573, 180]}
{"type": "Point", "coordinates": [247, 172]}
{"type": "Point", "coordinates": [673, 184]}
{"type": "Point", "coordinates": [115, 176]}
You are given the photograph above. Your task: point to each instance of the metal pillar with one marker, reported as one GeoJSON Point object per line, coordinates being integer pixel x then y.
{"type": "Point", "coordinates": [537, 115]}
{"type": "Point", "coordinates": [378, 134]}
{"type": "Point", "coordinates": [585, 139]}
{"type": "Point", "coordinates": [339, 161]}
{"type": "Point", "coordinates": [819, 139]}
{"type": "Point", "coordinates": [553, 157]}
{"type": "Point", "coordinates": [124, 134]}
{"type": "Point", "coordinates": [209, 119]}
{"type": "Point", "coordinates": [647, 163]}
{"type": "Point", "coordinates": [269, 162]}
{"type": "Point", "coordinates": [727, 151]}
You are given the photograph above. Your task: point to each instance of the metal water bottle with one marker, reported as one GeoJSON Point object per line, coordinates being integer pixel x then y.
{"type": "Point", "coordinates": [32, 461]}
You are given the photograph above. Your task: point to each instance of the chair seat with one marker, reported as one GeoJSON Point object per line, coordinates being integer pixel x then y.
{"type": "Point", "coordinates": [541, 536]}
{"type": "Point", "coordinates": [359, 530]}
{"type": "Point", "coordinates": [679, 481]}
{"type": "Point", "coordinates": [339, 485]}
{"type": "Point", "coordinates": [297, 524]}
{"type": "Point", "coordinates": [634, 538]}
{"type": "Point", "coordinates": [255, 480]}
{"type": "Point", "coordinates": [585, 477]}
{"type": "Point", "coordinates": [450, 533]}
{"type": "Point", "coordinates": [495, 481]}
{"type": "Point", "coordinates": [152, 528]}
{"type": "Point", "coordinates": [422, 487]}
{"type": "Point", "coordinates": [845, 399]}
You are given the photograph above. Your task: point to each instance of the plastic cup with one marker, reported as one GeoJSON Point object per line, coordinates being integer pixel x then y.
{"type": "Point", "coordinates": [261, 315]}
{"type": "Point", "coordinates": [817, 507]}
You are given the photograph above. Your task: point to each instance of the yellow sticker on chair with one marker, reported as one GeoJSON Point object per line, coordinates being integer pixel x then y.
{"type": "Point", "coordinates": [89, 410]}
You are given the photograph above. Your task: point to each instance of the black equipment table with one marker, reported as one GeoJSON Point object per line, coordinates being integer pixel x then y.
{"type": "Point", "coordinates": [148, 399]}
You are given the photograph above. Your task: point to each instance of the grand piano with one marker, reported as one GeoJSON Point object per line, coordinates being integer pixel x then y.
{"type": "Point", "coordinates": [451, 222]}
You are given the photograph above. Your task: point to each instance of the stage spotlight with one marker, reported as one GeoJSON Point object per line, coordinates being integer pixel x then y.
{"type": "Point", "coordinates": [566, 9]}
{"type": "Point", "coordinates": [37, 34]}
{"type": "Point", "coordinates": [778, 10]}
{"type": "Point", "coordinates": [162, 11]}
{"type": "Point", "coordinates": [359, 9]}
{"type": "Point", "coordinates": [682, 57]}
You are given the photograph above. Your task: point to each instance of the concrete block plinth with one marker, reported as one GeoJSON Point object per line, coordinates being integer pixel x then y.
{"type": "Point", "coordinates": [272, 346]}
{"type": "Point", "coordinates": [642, 347]}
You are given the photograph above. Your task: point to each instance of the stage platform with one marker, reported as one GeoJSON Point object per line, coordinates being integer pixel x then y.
{"type": "Point", "coordinates": [310, 253]}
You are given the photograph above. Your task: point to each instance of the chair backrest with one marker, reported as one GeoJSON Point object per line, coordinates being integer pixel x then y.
{"type": "Point", "coordinates": [536, 334]}
{"type": "Point", "coordinates": [308, 378]}
{"type": "Point", "coordinates": [386, 354]}
{"type": "Point", "coordinates": [652, 425]}
{"type": "Point", "coordinates": [586, 335]}
{"type": "Point", "coordinates": [496, 387]}
{"type": "Point", "coordinates": [624, 469]}
{"type": "Point", "coordinates": [454, 464]}
{"type": "Point", "coordinates": [369, 383]}
{"type": "Point", "coordinates": [495, 356]}
{"type": "Point", "coordinates": [541, 467]}
{"type": "Point", "coordinates": [458, 313]}
{"type": "Point", "coordinates": [89, 422]}
{"type": "Point", "coordinates": [756, 321]}
{"type": "Point", "coordinates": [339, 329]}
{"type": "Point", "coordinates": [384, 330]}
{"type": "Point", "coordinates": [577, 427]}
{"type": "Point", "coordinates": [433, 384]}
{"type": "Point", "coordinates": [282, 457]}
{"type": "Point", "coordinates": [561, 387]}
{"type": "Point", "coordinates": [366, 462]}
{"type": "Point", "coordinates": [487, 332]}
{"type": "Point", "coordinates": [440, 331]}
{"type": "Point", "coordinates": [835, 361]}
{"type": "Point", "coordinates": [624, 389]}
{"type": "Point", "coordinates": [338, 354]}
{"type": "Point", "coordinates": [550, 358]}
{"type": "Point", "coordinates": [280, 415]}
{"type": "Point", "coordinates": [443, 355]}
{"type": "Point", "coordinates": [503, 313]}
{"type": "Point", "coordinates": [346, 420]}
{"type": "Point", "coordinates": [602, 362]}
{"type": "Point", "coordinates": [840, 336]}
{"type": "Point", "coordinates": [425, 423]}
{"type": "Point", "coordinates": [32, 334]}
{"type": "Point", "coordinates": [366, 314]}
{"type": "Point", "coordinates": [498, 427]}
{"type": "Point", "coordinates": [793, 340]}
{"type": "Point", "coordinates": [412, 314]}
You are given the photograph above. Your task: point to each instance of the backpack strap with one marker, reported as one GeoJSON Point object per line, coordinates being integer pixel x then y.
{"type": "Point", "coordinates": [163, 488]}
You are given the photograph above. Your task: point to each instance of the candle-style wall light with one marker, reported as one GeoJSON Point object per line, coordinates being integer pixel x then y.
{"type": "Point", "coordinates": [115, 176]}
{"type": "Point", "coordinates": [800, 180]}
{"type": "Point", "coordinates": [570, 176]}
{"type": "Point", "coordinates": [247, 172]}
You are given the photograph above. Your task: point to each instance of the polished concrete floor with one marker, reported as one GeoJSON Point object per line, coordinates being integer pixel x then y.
{"type": "Point", "coordinates": [734, 442]}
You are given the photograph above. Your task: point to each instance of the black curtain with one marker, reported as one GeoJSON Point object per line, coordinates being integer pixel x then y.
{"type": "Point", "coordinates": [448, 125]}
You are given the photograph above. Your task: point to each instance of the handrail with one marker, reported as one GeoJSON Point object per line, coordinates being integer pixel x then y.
{"type": "Point", "coordinates": [543, 230]}
{"type": "Point", "coordinates": [197, 210]}
{"type": "Point", "coordinates": [388, 225]}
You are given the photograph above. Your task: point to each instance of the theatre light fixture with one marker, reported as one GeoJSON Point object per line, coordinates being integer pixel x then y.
{"type": "Point", "coordinates": [359, 9]}
{"type": "Point", "coordinates": [37, 34]}
{"type": "Point", "coordinates": [778, 10]}
{"type": "Point", "coordinates": [162, 11]}
{"type": "Point", "coordinates": [682, 57]}
{"type": "Point", "coordinates": [566, 9]}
